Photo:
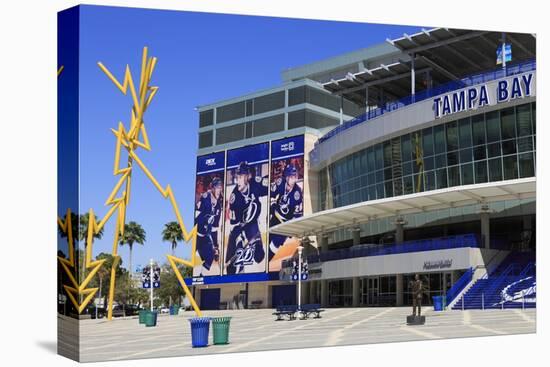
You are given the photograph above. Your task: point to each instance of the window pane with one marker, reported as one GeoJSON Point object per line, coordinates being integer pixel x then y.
{"type": "Point", "coordinates": [495, 169]}
{"type": "Point", "coordinates": [526, 165]}
{"type": "Point", "coordinates": [525, 144]}
{"type": "Point", "coordinates": [524, 120]}
{"type": "Point", "coordinates": [296, 96]}
{"type": "Point", "coordinates": [466, 155]}
{"type": "Point", "coordinates": [441, 178]}
{"type": "Point", "coordinates": [268, 125]}
{"type": "Point", "coordinates": [452, 136]}
{"type": "Point", "coordinates": [427, 142]}
{"type": "Point", "coordinates": [534, 116]}
{"type": "Point", "coordinates": [508, 123]}
{"type": "Point", "coordinates": [509, 147]}
{"type": "Point", "coordinates": [370, 159]}
{"type": "Point", "coordinates": [510, 167]}
{"type": "Point", "coordinates": [478, 129]}
{"type": "Point", "coordinates": [387, 154]}
{"type": "Point", "coordinates": [205, 139]}
{"type": "Point", "coordinates": [389, 188]}
{"type": "Point", "coordinates": [296, 119]}
{"type": "Point", "coordinates": [493, 150]}
{"type": "Point", "coordinates": [406, 148]}
{"type": "Point", "coordinates": [481, 171]}
{"type": "Point", "coordinates": [407, 168]}
{"type": "Point", "coordinates": [430, 180]}
{"type": "Point", "coordinates": [493, 126]}
{"type": "Point", "coordinates": [230, 112]}
{"type": "Point", "coordinates": [454, 176]}
{"type": "Point", "coordinates": [480, 152]}
{"type": "Point", "coordinates": [439, 139]}
{"type": "Point", "coordinates": [418, 183]}
{"type": "Point", "coordinates": [465, 133]}
{"type": "Point", "coordinates": [429, 163]}
{"type": "Point", "coordinates": [452, 158]}
{"type": "Point", "coordinates": [467, 173]}
{"type": "Point", "coordinates": [379, 156]}
{"type": "Point", "coordinates": [441, 161]}
{"type": "Point", "coordinates": [206, 118]}
{"type": "Point", "coordinates": [407, 185]}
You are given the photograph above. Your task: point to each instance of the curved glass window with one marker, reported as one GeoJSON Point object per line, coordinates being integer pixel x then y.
{"type": "Point", "coordinates": [487, 147]}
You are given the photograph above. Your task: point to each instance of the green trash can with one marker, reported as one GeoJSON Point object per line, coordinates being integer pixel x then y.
{"type": "Point", "coordinates": [444, 302]}
{"type": "Point", "coordinates": [151, 318]}
{"type": "Point", "coordinates": [175, 310]}
{"type": "Point", "coordinates": [220, 326]}
{"type": "Point", "coordinates": [142, 316]}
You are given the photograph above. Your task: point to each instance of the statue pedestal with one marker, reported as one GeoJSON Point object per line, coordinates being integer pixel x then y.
{"type": "Point", "coordinates": [416, 320]}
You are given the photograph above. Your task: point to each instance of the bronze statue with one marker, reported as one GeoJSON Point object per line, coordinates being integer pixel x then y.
{"type": "Point", "coordinates": [418, 290]}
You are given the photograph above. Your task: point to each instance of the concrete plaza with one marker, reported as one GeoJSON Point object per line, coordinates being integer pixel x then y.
{"type": "Point", "coordinates": [254, 330]}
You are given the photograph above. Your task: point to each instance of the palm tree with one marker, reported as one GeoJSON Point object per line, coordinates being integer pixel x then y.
{"type": "Point", "coordinates": [172, 233]}
{"type": "Point", "coordinates": [83, 228]}
{"type": "Point", "coordinates": [133, 233]}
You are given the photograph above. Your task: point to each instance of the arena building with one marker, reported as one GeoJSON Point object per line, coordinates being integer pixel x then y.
{"type": "Point", "coordinates": [414, 156]}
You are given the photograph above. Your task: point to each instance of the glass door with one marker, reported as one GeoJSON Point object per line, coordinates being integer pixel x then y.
{"type": "Point", "coordinates": [372, 291]}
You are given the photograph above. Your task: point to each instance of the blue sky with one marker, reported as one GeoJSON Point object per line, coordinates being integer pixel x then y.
{"type": "Point", "coordinates": [202, 58]}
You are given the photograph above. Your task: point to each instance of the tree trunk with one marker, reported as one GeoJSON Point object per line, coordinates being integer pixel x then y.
{"type": "Point", "coordinates": [174, 244]}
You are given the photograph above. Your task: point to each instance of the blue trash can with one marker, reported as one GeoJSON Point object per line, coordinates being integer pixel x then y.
{"type": "Point", "coordinates": [200, 327]}
{"type": "Point", "coordinates": [438, 303]}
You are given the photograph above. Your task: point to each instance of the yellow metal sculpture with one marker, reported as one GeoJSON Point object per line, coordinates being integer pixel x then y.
{"type": "Point", "coordinates": [74, 290]}
{"type": "Point", "coordinates": [130, 140]}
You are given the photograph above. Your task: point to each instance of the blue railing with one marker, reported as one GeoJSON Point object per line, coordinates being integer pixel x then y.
{"type": "Point", "coordinates": [459, 285]}
{"type": "Point", "coordinates": [432, 92]}
{"type": "Point", "coordinates": [440, 243]}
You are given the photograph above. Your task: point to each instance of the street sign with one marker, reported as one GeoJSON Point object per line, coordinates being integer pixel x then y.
{"type": "Point", "coordinates": [295, 272]}
{"type": "Point", "coordinates": [146, 277]}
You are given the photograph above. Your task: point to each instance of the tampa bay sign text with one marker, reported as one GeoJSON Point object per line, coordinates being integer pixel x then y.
{"type": "Point", "coordinates": [483, 95]}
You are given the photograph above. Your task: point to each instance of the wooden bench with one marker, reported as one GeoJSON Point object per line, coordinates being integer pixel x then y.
{"type": "Point", "coordinates": [289, 311]}
{"type": "Point", "coordinates": [310, 309]}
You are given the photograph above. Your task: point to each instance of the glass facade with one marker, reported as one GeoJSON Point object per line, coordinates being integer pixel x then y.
{"type": "Point", "coordinates": [486, 147]}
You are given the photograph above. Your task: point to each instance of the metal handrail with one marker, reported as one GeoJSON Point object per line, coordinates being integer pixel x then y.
{"type": "Point", "coordinates": [432, 92]}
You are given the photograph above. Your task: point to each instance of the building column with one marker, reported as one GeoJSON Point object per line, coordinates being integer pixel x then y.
{"type": "Point", "coordinates": [311, 288]}
{"type": "Point", "coordinates": [399, 229]}
{"type": "Point", "coordinates": [485, 226]}
{"type": "Point", "coordinates": [323, 242]}
{"type": "Point", "coordinates": [324, 293]}
{"type": "Point", "coordinates": [399, 290]}
{"type": "Point", "coordinates": [355, 292]}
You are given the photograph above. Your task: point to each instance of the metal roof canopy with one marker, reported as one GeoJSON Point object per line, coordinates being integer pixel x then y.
{"type": "Point", "coordinates": [354, 214]}
{"type": "Point", "coordinates": [448, 54]}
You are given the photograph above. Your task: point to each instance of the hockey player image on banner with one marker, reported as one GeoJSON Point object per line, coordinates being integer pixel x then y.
{"type": "Point", "coordinates": [208, 212]}
{"type": "Point", "coordinates": [246, 215]}
{"type": "Point", "coordinates": [286, 196]}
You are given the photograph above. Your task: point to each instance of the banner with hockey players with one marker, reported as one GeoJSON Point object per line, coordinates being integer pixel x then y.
{"type": "Point", "coordinates": [209, 201]}
{"type": "Point", "coordinates": [286, 195]}
{"type": "Point", "coordinates": [246, 208]}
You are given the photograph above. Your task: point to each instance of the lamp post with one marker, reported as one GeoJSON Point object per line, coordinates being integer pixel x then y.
{"type": "Point", "coordinates": [300, 249]}
{"type": "Point", "coordinates": [151, 282]}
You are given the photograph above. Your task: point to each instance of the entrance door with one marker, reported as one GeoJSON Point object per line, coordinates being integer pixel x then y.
{"type": "Point", "coordinates": [372, 291]}
{"type": "Point", "coordinates": [210, 299]}
{"type": "Point", "coordinates": [283, 295]}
